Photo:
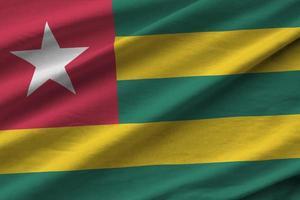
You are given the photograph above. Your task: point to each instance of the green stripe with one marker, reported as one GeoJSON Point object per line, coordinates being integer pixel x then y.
{"type": "Point", "coordinates": [207, 97]}
{"type": "Point", "coordinates": [141, 17]}
{"type": "Point", "coordinates": [222, 181]}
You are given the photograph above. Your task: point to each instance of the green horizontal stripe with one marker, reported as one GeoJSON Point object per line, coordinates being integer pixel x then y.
{"type": "Point", "coordinates": [221, 181]}
{"type": "Point", "coordinates": [207, 97]}
{"type": "Point", "coordinates": [136, 17]}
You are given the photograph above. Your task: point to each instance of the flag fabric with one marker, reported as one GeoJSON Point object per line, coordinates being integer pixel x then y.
{"type": "Point", "coordinates": [151, 99]}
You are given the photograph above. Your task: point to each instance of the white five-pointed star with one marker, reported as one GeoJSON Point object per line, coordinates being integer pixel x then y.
{"type": "Point", "coordinates": [50, 62]}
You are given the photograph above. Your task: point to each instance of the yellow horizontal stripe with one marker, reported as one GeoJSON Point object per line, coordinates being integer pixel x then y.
{"type": "Point", "coordinates": [182, 142]}
{"type": "Point", "coordinates": [207, 53]}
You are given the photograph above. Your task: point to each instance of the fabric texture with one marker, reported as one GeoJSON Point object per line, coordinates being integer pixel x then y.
{"type": "Point", "coordinates": [149, 99]}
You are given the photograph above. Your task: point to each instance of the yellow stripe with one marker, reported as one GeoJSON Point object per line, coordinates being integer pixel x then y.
{"type": "Point", "coordinates": [207, 53]}
{"type": "Point", "coordinates": [110, 146]}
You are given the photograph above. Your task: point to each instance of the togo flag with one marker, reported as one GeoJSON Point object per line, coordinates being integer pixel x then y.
{"type": "Point", "coordinates": [149, 99]}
